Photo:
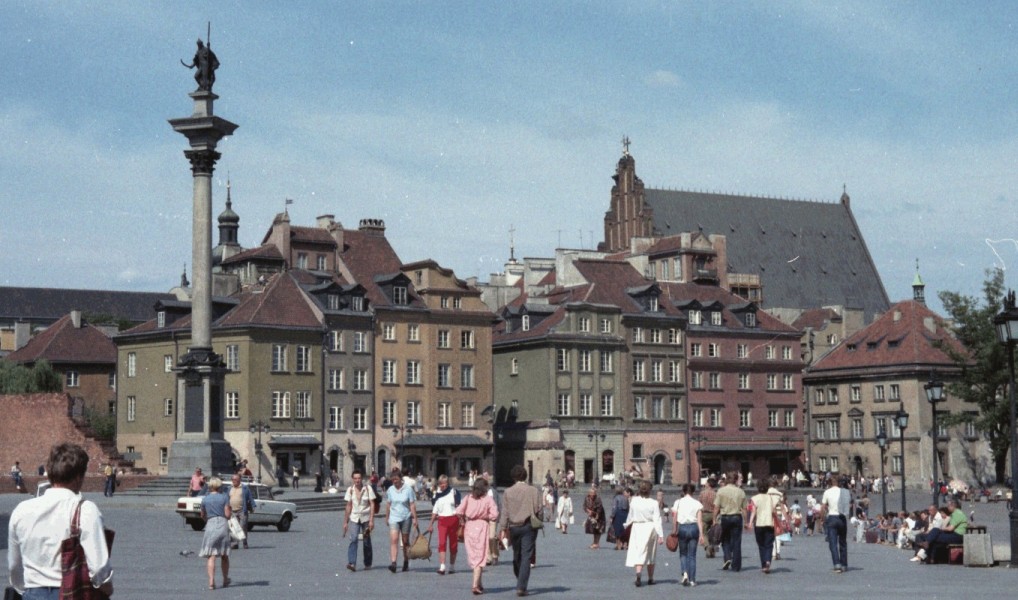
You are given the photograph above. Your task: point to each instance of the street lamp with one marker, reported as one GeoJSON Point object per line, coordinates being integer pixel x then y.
{"type": "Point", "coordinates": [882, 442]}
{"type": "Point", "coordinates": [260, 427]}
{"type": "Point", "coordinates": [1007, 332]}
{"type": "Point", "coordinates": [699, 439]}
{"type": "Point", "coordinates": [596, 435]}
{"type": "Point", "coordinates": [786, 442]}
{"type": "Point", "coordinates": [491, 411]}
{"type": "Point", "coordinates": [403, 431]}
{"type": "Point", "coordinates": [934, 394]}
{"type": "Point", "coordinates": [901, 418]}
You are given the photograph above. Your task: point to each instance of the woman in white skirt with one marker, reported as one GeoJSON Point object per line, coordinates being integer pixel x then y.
{"type": "Point", "coordinates": [564, 510]}
{"type": "Point", "coordinates": [215, 509]}
{"type": "Point", "coordinates": [646, 535]}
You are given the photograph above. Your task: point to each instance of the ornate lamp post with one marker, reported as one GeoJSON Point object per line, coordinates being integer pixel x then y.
{"type": "Point", "coordinates": [786, 441]}
{"type": "Point", "coordinates": [901, 418]}
{"type": "Point", "coordinates": [699, 439]}
{"type": "Point", "coordinates": [1007, 332]}
{"type": "Point", "coordinates": [403, 431]}
{"type": "Point", "coordinates": [596, 435]}
{"type": "Point", "coordinates": [260, 427]}
{"type": "Point", "coordinates": [934, 394]}
{"type": "Point", "coordinates": [882, 442]}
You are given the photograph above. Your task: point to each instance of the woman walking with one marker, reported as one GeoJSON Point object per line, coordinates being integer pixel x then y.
{"type": "Point", "coordinates": [476, 512]}
{"type": "Point", "coordinates": [215, 509]}
{"type": "Point", "coordinates": [564, 511]}
{"type": "Point", "coordinates": [761, 519]}
{"type": "Point", "coordinates": [594, 508]}
{"type": "Point", "coordinates": [688, 514]}
{"type": "Point", "coordinates": [401, 514]}
{"type": "Point", "coordinates": [646, 535]}
{"type": "Point", "coordinates": [620, 511]}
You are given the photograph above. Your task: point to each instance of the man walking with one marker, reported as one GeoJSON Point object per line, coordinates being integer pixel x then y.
{"type": "Point", "coordinates": [519, 503]}
{"type": "Point", "coordinates": [834, 506]}
{"type": "Point", "coordinates": [730, 502]}
{"type": "Point", "coordinates": [241, 504]}
{"type": "Point", "coordinates": [708, 498]}
{"type": "Point", "coordinates": [359, 520]}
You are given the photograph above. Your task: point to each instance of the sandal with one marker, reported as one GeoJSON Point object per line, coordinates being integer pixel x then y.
{"type": "Point", "coordinates": [227, 582]}
{"type": "Point", "coordinates": [212, 586]}
{"type": "Point", "coordinates": [477, 591]}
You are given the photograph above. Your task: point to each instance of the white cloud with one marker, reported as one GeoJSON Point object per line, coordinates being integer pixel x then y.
{"type": "Point", "coordinates": [663, 79]}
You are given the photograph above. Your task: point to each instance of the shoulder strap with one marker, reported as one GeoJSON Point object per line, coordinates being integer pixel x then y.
{"type": "Point", "coordinates": [76, 519]}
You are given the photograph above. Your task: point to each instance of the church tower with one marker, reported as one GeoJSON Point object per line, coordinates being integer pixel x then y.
{"type": "Point", "coordinates": [229, 226]}
{"type": "Point", "coordinates": [628, 215]}
{"type": "Point", "coordinates": [918, 287]}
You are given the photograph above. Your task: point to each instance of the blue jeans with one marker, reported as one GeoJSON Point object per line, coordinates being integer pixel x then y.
{"type": "Point", "coordinates": [731, 540]}
{"type": "Point", "coordinates": [837, 538]}
{"type": "Point", "coordinates": [522, 538]}
{"type": "Point", "coordinates": [689, 539]}
{"type": "Point", "coordinates": [765, 543]}
{"type": "Point", "coordinates": [41, 594]}
{"type": "Point", "coordinates": [351, 553]}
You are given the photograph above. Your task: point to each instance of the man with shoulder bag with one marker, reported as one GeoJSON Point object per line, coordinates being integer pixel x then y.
{"type": "Point", "coordinates": [520, 504]}
{"type": "Point", "coordinates": [358, 520]}
{"type": "Point", "coordinates": [242, 505]}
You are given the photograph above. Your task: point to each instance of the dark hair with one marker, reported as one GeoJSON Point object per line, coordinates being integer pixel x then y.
{"type": "Point", "coordinates": [480, 488]}
{"type": "Point", "coordinates": [518, 473]}
{"type": "Point", "coordinates": [711, 482]}
{"type": "Point", "coordinates": [644, 487]}
{"type": "Point", "coordinates": [763, 485]}
{"type": "Point", "coordinates": [67, 462]}
{"type": "Point", "coordinates": [355, 472]}
{"type": "Point", "coordinates": [688, 489]}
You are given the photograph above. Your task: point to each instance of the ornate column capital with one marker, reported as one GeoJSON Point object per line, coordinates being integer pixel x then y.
{"type": "Point", "coordinates": [203, 162]}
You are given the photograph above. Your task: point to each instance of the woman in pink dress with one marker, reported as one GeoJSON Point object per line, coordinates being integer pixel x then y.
{"type": "Point", "coordinates": [476, 511]}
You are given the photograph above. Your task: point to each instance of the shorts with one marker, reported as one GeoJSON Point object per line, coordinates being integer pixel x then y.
{"type": "Point", "coordinates": [401, 526]}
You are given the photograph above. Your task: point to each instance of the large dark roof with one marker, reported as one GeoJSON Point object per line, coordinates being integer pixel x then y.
{"type": "Point", "coordinates": [49, 304]}
{"type": "Point", "coordinates": [808, 254]}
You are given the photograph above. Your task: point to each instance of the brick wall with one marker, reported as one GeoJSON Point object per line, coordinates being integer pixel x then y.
{"type": "Point", "coordinates": [34, 423]}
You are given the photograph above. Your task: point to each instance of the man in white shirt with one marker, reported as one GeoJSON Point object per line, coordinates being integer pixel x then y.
{"type": "Point", "coordinates": [359, 520]}
{"type": "Point", "coordinates": [38, 526]}
{"type": "Point", "coordinates": [835, 505]}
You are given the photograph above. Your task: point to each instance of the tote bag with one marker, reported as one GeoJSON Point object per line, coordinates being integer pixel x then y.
{"type": "Point", "coordinates": [77, 583]}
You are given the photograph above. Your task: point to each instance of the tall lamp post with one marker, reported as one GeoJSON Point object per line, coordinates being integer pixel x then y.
{"type": "Point", "coordinates": [934, 394]}
{"type": "Point", "coordinates": [260, 427]}
{"type": "Point", "coordinates": [403, 431]}
{"type": "Point", "coordinates": [596, 435]}
{"type": "Point", "coordinates": [786, 442]}
{"type": "Point", "coordinates": [699, 439]}
{"type": "Point", "coordinates": [901, 418]}
{"type": "Point", "coordinates": [491, 411]}
{"type": "Point", "coordinates": [1006, 324]}
{"type": "Point", "coordinates": [882, 442]}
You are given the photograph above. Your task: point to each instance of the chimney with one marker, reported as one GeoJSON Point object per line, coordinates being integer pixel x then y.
{"type": "Point", "coordinates": [373, 227]}
{"type": "Point", "coordinates": [22, 334]}
{"type": "Point", "coordinates": [76, 318]}
{"type": "Point", "coordinates": [931, 324]}
{"type": "Point", "coordinates": [326, 221]}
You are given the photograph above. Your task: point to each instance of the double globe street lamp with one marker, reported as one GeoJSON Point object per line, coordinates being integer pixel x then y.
{"type": "Point", "coordinates": [1006, 324]}
{"type": "Point", "coordinates": [935, 394]}
{"type": "Point", "coordinates": [882, 442]}
{"type": "Point", "coordinates": [901, 418]}
{"type": "Point", "coordinates": [260, 427]}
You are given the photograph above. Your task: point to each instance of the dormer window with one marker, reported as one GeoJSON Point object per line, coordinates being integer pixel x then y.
{"type": "Point", "coordinates": [399, 295]}
{"type": "Point", "coordinates": [750, 319]}
{"type": "Point", "coordinates": [321, 262]}
{"type": "Point", "coordinates": [695, 317]}
{"type": "Point", "coordinates": [357, 303]}
{"type": "Point", "coordinates": [652, 304]}
{"type": "Point", "coordinates": [161, 319]}
{"type": "Point", "coordinates": [715, 317]}
{"type": "Point", "coordinates": [302, 260]}
{"type": "Point", "coordinates": [333, 301]}
{"type": "Point", "coordinates": [525, 323]}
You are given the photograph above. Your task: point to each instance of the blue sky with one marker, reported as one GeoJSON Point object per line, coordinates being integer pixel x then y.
{"type": "Point", "coordinates": [454, 121]}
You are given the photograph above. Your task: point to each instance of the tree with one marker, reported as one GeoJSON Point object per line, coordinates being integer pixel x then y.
{"type": "Point", "coordinates": [984, 372]}
{"type": "Point", "coordinates": [18, 379]}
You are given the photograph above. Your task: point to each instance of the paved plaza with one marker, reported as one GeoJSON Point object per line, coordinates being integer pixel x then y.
{"type": "Point", "coordinates": [154, 556]}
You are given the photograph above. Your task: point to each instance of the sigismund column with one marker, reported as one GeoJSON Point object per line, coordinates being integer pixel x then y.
{"type": "Point", "coordinates": [200, 371]}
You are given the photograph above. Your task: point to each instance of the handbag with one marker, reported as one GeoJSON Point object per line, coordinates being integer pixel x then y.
{"type": "Point", "coordinates": [76, 583]}
{"type": "Point", "coordinates": [779, 525]}
{"type": "Point", "coordinates": [237, 533]}
{"type": "Point", "coordinates": [421, 548]}
{"type": "Point", "coordinates": [672, 542]}
{"type": "Point", "coordinates": [11, 594]}
{"type": "Point", "coordinates": [714, 534]}
{"type": "Point", "coordinates": [536, 522]}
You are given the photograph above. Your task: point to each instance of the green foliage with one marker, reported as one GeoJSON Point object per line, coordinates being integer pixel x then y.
{"type": "Point", "coordinates": [17, 379]}
{"type": "Point", "coordinates": [103, 424]}
{"type": "Point", "coordinates": [107, 319]}
{"type": "Point", "coordinates": [984, 372]}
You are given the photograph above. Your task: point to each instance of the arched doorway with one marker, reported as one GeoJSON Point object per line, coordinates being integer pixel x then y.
{"type": "Point", "coordinates": [659, 469]}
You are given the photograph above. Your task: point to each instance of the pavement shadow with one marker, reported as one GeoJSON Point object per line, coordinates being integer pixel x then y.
{"type": "Point", "coordinates": [558, 589]}
{"type": "Point", "coordinates": [237, 584]}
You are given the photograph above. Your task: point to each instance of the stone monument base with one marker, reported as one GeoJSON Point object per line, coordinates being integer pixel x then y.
{"type": "Point", "coordinates": [215, 457]}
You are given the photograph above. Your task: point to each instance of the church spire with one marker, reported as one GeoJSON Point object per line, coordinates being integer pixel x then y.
{"type": "Point", "coordinates": [918, 287]}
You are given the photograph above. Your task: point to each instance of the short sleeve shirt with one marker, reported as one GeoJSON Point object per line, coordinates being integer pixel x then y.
{"type": "Point", "coordinates": [215, 504]}
{"type": "Point", "coordinates": [360, 508]}
{"type": "Point", "coordinates": [399, 503]}
{"type": "Point", "coordinates": [838, 501]}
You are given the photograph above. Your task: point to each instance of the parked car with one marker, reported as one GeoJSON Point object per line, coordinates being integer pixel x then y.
{"type": "Point", "coordinates": [268, 511]}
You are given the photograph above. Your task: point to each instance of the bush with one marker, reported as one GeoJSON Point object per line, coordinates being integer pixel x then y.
{"type": "Point", "coordinates": [103, 424]}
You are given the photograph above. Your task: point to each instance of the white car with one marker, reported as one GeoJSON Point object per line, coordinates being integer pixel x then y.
{"type": "Point", "coordinates": [274, 513]}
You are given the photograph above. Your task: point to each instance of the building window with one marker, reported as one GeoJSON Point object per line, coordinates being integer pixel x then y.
{"type": "Point", "coordinates": [821, 429]}
{"type": "Point", "coordinates": [360, 342]}
{"type": "Point", "coordinates": [457, 302]}
{"type": "Point", "coordinates": [744, 422]}
{"type": "Point", "coordinates": [164, 455]}
{"type": "Point", "coordinates": [657, 371]}
{"type": "Point", "coordinates": [606, 326]}
{"type": "Point", "coordinates": [657, 407]}
{"type": "Point", "coordinates": [167, 363]}
{"type": "Point", "coordinates": [399, 295]}
{"type": "Point", "coordinates": [818, 396]}
{"type": "Point", "coordinates": [525, 322]}
{"type": "Point", "coordinates": [445, 376]}
{"type": "Point", "coordinates": [586, 365]}
{"type": "Point", "coordinates": [696, 380]}
{"type": "Point", "coordinates": [336, 340]}
{"type": "Point", "coordinates": [443, 338]}
{"type": "Point", "coordinates": [606, 362]}
{"type": "Point", "coordinates": [584, 324]}
{"type": "Point", "coordinates": [676, 406]}
{"type": "Point", "coordinates": [514, 366]}
{"type": "Point", "coordinates": [639, 370]}
{"type": "Point", "coordinates": [233, 358]}
{"type": "Point", "coordinates": [132, 364]}
{"type": "Point", "coordinates": [336, 379]}
{"type": "Point", "coordinates": [696, 349]}
{"type": "Point", "coordinates": [895, 392]}
{"type": "Point", "coordinates": [443, 302]}
{"type": "Point", "coordinates": [388, 412]}
{"type": "Point", "coordinates": [360, 418]}
{"type": "Point", "coordinates": [833, 429]}
{"type": "Point", "coordinates": [855, 394]}
{"type": "Point", "coordinates": [413, 372]}
{"type": "Point", "coordinates": [713, 350]}
{"type": "Point", "coordinates": [360, 380]}
{"type": "Point", "coordinates": [878, 393]}
{"type": "Point", "coordinates": [335, 418]}
{"type": "Point", "coordinates": [823, 464]}
{"type": "Point", "coordinates": [970, 428]}
{"type": "Point", "coordinates": [168, 408]}
{"type": "Point", "coordinates": [880, 424]}
{"type": "Point", "coordinates": [788, 382]}
{"type": "Point", "coordinates": [389, 376]}
{"type": "Point", "coordinates": [467, 339]}
{"type": "Point", "coordinates": [303, 359]}
{"type": "Point", "coordinates": [789, 418]}
{"type": "Point", "coordinates": [772, 418]}
{"type": "Point", "coordinates": [280, 405]}
{"type": "Point", "coordinates": [770, 353]}
{"type": "Point", "coordinates": [71, 379]}
{"type": "Point", "coordinates": [278, 358]}
{"type": "Point", "coordinates": [413, 332]}
{"type": "Point", "coordinates": [856, 429]}
{"type": "Point", "coordinates": [586, 405]}
{"type": "Point", "coordinates": [652, 304]}
{"type": "Point", "coordinates": [674, 371]}
{"type": "Point", "coordinates": [639, 410]}
{"type": "Point", "coordinates": [674, 336]}
{"type": "Point", "coordinates": [232, 405]}
{"type": "Point", "coordinates": [786, 353]}
{"type": "Point", "coordinates": [466, 376]}
{"type": "Point", "coordinates": [467, 415]}
{"type": "Point", "coordinates": [637, 335]}
{"type": "Point", "coordinates": [302, 409]}
{"type": "Point", "coordinates": [132, 407]}
{"type": "Point", "coordinates": [320, 260]}
{"type": "Point", "coordinates": [744, 381]}
{"type": "Point", "coordinates": [715, 318]}
{"type": "Point", "coordinates": [896, 464]}
{"type": "Point", "coordinates": [444, 414]}
{"type": "Point", "coordinates": [413, 413]}
{"type": "Point", "coordinates": [607, 405]}
{"type": "Point", "coordinates": [302, 260]}
{"type": "Point", "coordinates": [562, 359]}
{"type": "Point", "coordinates": [695, 317]}
{"type": "Point", "coordinates": [332, 301]}
{"type": "Point", "coordinates": [750, 319]}
{"type": "Point", "coordinates": [715, 417]}
{"type": "Point", "coordinates": [772, 381]}
{"type": "Point", "coordinates": [832, 396]}
{"type": "Point", "coordinates": [697, 417]}
{"type": "Point", "coordinates": [357, 303]}
{"type": "Point", "coordinates": [562, 405]}
{"type": "Point", "coordinates": [388, 332]}
{"type": "Point", "coordinates": [715, 381]}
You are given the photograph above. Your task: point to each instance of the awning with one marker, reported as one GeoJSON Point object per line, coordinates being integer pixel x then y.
{"type": "Point", "coordinates": [294, 440]}
{"type": "Point", "coordinates": [441, 441]}
{"type": "Point", "coordinates": [748, 448]}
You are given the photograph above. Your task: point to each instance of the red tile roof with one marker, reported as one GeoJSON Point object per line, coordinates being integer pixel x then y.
{"type": "Point", "coordinates": [312, 235]}
{"type": "Point", "coordinates": [905, 335]}
{"type": "Point", "coordinates": [817, 318]}
{"type": "Point", "coordinates": [280, 302]}
{"type": "Point", "coordinates": [266, 252]}
{"type": "Point", "coordinates": [63, 343]}
{"type": "Point", "coordinates": [367, 254]}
